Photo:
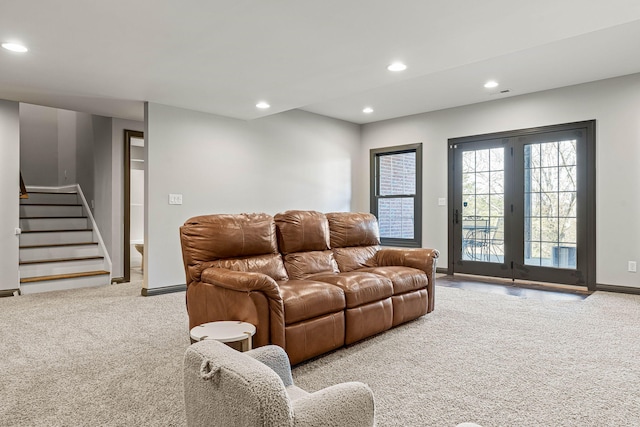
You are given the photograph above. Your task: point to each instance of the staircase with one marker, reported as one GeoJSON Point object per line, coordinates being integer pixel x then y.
{"type": "Point", "coordinates": [59, 245]}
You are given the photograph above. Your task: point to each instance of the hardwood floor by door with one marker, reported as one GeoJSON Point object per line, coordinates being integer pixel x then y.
{"type": "Point", "coordinates": [528, 290]}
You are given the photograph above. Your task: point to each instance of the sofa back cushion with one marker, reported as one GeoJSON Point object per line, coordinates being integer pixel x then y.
{"type": "Point", "coordinates": [242, 242]}
{"type": "Point", "coordinates": [353, 229]}
{"type": "Point", "coordinates": [301, 265]}
{"type": "Point", "coordinates": [355, 257]}
{"type": "Point", "coordinates": [303, 239]}
{"type": "Point", "coordinates": [354, 239]}
{"type": "Point", "coordinates": [302, 231]}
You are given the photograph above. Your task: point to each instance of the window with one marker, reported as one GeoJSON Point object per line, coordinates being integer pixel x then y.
{"type": "Point", "coordinates": [396, 194]}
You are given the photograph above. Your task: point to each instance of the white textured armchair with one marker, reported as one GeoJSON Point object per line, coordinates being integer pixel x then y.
{"type": "Point", "coordinates": [223, 387]}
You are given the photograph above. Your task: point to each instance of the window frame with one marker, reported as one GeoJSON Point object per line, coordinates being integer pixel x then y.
{"type": "Point", "coordinates": [374, 156]}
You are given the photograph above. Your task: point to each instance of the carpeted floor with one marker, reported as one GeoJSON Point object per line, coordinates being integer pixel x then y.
{"type": "Point", "coordinates": [107, 356]}
{"type": "Point", "coordinates": [500, 361]}
{"type": "Point", "coordinates": [92, 357]}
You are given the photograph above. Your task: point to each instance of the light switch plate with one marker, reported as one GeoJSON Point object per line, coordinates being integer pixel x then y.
{"type": "Point", "coordinates": [442, 201]}
{"type": "Point", "coordinates": [175, 199]}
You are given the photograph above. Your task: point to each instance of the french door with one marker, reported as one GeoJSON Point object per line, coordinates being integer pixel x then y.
{"type": "Point", "coordinates": [523, 204]}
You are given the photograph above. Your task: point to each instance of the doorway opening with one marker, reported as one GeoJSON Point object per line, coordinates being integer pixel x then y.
{"type": "Point", "coordinates": [523, 204]}
{"type": "Point", "coordinates": [133, 240]}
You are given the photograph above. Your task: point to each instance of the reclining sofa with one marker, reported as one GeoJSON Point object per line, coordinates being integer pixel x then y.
{"type": "Point", "coordinates": [310, 282]}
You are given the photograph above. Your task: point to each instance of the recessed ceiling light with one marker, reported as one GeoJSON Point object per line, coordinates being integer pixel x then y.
{"type": "Point", "coordinates": [491, 84]}
{"type": "Point", "coordinates": [367, 110]}
{"type": "Point", "coordinates": [263, 105]}
{"type": "Point", "coordinates": [397, 66]}
{"type": "Point", "coordinates": [15, 47]}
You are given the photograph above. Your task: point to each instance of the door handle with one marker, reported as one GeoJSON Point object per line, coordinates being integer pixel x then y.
{"type": "Point", "coordinates": [455, 216]}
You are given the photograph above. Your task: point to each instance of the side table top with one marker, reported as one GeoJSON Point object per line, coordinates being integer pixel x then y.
{"type": "Point", "coordinates": [223, 331]}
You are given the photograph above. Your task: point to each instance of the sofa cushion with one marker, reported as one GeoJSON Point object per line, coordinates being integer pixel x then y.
{"type": "Point", "coordinates": [306, 299]}
{"type": "Point", "coordinates": [211, 237]}
{"type": "Point", "coordinates": [359, 287]}
{"type": "Point", "coordinates": [302, 231]}
{"type": "Point", "coordinates": [409, 306]}
{"type": "Point", "coordinates": [301, 265]}
{"type": "Point", "coordinates": [353, 229]}
{"type": "Point", "coordinates": [313, 337]}
{"type": "Point", "coordinates": [404, 279]}
{"type": "Point", "coordinates": [354, 258]}
{"type": "Point", "coordinates": [367, 320]}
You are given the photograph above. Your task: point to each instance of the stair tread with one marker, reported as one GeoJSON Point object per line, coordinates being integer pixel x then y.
{"type": "Point", "coordinates": [63, 276]}
{"type": "Point", "coordinates": [56, 231]}
{"type": "Point", "coordinates": [52, 217]}
{"type": "Point", "coordinates": [52, 192]}
{"type": "Point", "coordinates": [43, 261]}
{"type": "Point", "coordinates": [57, 245]}
{"type": "Point", "coordinates": [50, 204]}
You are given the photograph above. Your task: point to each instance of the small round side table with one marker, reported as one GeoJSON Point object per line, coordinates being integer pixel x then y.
{"type": "Point", "coordinates": [225, 331]}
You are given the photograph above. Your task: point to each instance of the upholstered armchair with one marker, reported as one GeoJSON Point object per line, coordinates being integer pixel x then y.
{"type": "Point", "coordinates": [223, 387]}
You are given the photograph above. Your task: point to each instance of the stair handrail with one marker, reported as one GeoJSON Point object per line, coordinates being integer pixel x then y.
{"type": "Point", "coordinates": [23, 190]}
{"type": "Point", "coordinates": [97, 231]}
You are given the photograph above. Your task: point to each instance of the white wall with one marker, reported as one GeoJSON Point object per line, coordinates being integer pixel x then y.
{"type": "Point", "coordinates": [292, 160]}
{"type": "Point", "coordinates": [102, 192]}
{"type": "Point", "coordinates": [117, 174]}
{"type": "Point", "coordinates": [9, 193]}
{"type": "Point", "coordinates": [85, 156]}
{"type": "Point", "coordinates": [48, 148]}
{"type": "Point", "coordinates": [66, 147]}
{"type": "Point", "coordinates": [613, 103]}
{"type": "Point", "coordinates": [39, 145]}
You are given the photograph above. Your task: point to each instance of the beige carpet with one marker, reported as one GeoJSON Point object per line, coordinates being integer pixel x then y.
{"type": "Point", "coordinates": [501, 361]}
{"type": "Point", "coordinates": [107, 356]}
{"type": "Point", "coordinates": [92, 357]}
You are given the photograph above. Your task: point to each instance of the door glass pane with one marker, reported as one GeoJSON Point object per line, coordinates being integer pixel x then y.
{"type": "Point", "coordinates": [567, 178]}
{"type": "Point", "coordinates": [568, 153]}
{"type": "Point", "coordinates": [483, 205]}
{"type": "Point", "coordinates": [549, 154]}
{"type": "Point", "coordinates": [550, 196]}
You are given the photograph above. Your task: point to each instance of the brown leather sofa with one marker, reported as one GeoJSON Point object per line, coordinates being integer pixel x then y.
{"type": "Point", "coordinates": [310, 282]}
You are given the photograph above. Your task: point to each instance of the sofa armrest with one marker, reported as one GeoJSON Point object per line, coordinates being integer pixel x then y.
{"type": "Point", "coordinates": [275, 358]}
{"type": "Point", "coordinates": [194, 272]}
{"type": "Point", "coordinates": [242, 281]}
{"type": "Point", "coordinates": [257, 287]}
{"type": "Point", "coordinates": [422, 259]}
{"type": "Point", "coordinates": [347, 404]}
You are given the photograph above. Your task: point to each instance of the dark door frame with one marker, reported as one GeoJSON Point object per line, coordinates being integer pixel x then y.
{"type": "Point", "coordinates": [128, 134]}
{"type": "Point", "coordinates": [589, 126]}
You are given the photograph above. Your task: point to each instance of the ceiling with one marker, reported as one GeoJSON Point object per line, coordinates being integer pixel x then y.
{"type": "Point", "coordinates": [328, 57]}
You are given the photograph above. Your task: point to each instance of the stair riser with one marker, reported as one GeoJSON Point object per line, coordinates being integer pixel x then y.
{"type": "Point", "coordinates": [30, 254]}
{"type": "Point", "coordinates": [57, 198]}
{"type": "Point", "coordinates": [38, 210]}
{"type": "Point", "coordinates": [51, 268]}
{"type": "Point", "coordinates": [54, 224]}
{"type": "Point", "coordinates": [64, 284]}
{"type": "Point", "coordinates": [27, 239]}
